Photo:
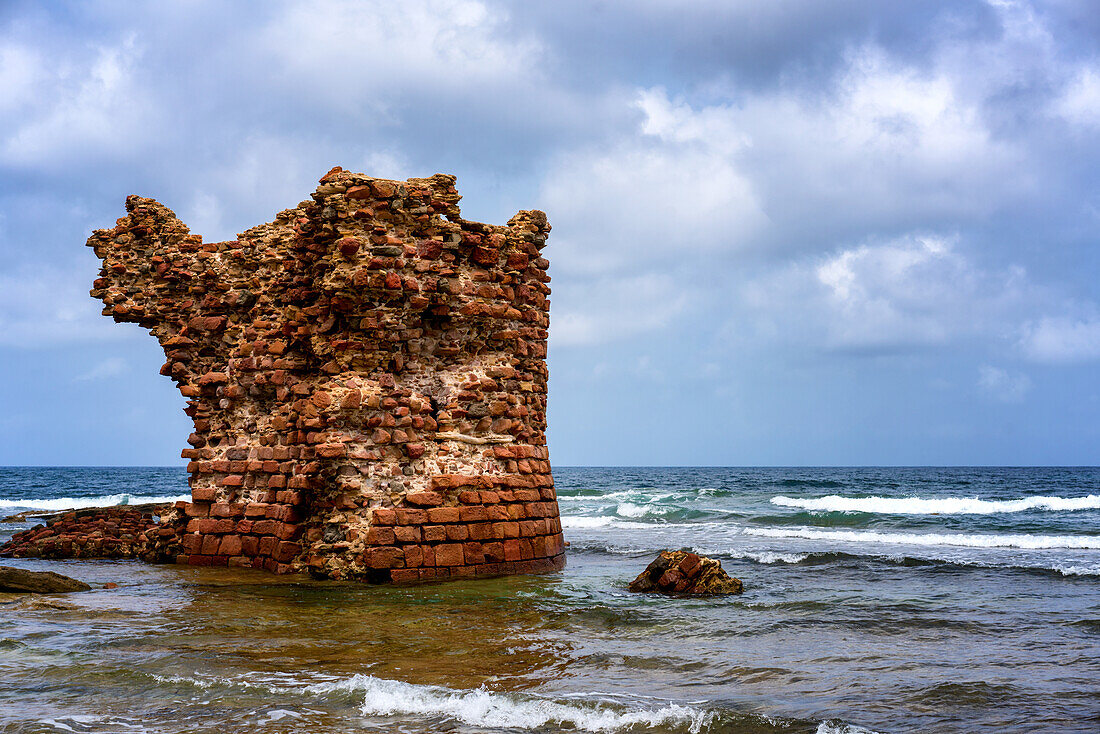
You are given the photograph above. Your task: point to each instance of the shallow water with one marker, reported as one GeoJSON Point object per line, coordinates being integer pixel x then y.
{"type": "Point", "coordinates": [892, 621]}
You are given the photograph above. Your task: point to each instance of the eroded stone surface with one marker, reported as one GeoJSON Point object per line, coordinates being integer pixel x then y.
{"type": "Point", "coordinates": [367, 379]}
{"type": "Point", "coordinates": [681, 572]}
{"type": "Point", "coordinates": [22, 581]}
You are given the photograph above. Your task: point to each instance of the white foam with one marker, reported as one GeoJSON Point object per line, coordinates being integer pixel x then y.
{"type": "Point", "coordinates": [629, 509]}
{"type": "Point", "coordinates": [839, 727]}
{"type": "Point", "coordinates": [79, 503]}
{"type": "Point", "coordinates": [1077, 570]}
{"type": "Point", "coordinates": [482, 708]}
{"type": "Point", "coordinates": [1034, 542]}
{"type": "Point", "coordinates": [771, 557]}
{"type": "Point", "coordinates": [583, 521]}
{"type": "Point", "coordinates": [938, 506]}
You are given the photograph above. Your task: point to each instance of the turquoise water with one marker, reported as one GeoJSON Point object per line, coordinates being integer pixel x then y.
{"type": "Point", "coordinates": [889, 600]}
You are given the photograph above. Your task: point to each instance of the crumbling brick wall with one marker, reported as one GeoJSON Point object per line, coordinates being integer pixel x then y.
{"type": "Point", "coordinates": [367, 379]}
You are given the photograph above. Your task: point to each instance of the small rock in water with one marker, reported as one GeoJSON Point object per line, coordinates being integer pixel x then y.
{"type": "Point", "coordinates": [38, 582]}
{"type": "Point", "coordinates": [681, 572]}
{"type": "Point", "coordinates": [110, 585]}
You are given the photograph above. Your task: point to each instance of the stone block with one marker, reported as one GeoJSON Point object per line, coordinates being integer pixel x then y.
{"type": "Point", "coordinates": [449, 554]}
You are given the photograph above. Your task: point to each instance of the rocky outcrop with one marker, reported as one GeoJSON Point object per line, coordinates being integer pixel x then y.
{"type": "Point", "coordinates": [680, 572]}
{"type": "Point", "coordinates": [19, 580]}
{"type": "Point", "coordinates": [99, 532]}
{"type": "Point", "coordinates": [367, 380]}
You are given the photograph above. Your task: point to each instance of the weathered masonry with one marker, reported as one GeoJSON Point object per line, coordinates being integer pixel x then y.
{"type": "Point", "coordinates": [367, 378]}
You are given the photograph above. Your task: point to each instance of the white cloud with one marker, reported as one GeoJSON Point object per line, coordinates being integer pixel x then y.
{"type": "Point", "coordinates": [1062, 339]}
{"type": "Point", "coordinates": [669, 191]}
{"type": "Point", "coordinates": [349, 51]}
{"type": "Point", "coordinates": [914, 291]}
{"type": "Point", "coordinates": [83, 105]}
{"type": "Point", "coordinates": [21, 71]}
{"type": "Point", "coordinates": [1002, 385]}
{"type": "Point", "coordinates": [1080, 102]}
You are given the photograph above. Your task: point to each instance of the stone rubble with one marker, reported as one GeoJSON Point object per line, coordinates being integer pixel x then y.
{"type": "Point", "coordinates": [98, 532]}
{"type": "Point", "coordinates": [367, 379]}
{"type": "Point", "coordinates": [681, 572]}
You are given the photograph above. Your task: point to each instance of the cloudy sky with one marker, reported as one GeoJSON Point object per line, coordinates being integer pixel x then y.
{"type": "Point", "coordinates": [785, 232]}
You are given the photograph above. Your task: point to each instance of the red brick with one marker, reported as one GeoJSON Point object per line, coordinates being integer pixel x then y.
{"type": "Point", "coordinates": [385, 557]}
{"type": "Point", "coordinates": [230, 545]}
{"type": "Point", "coordinates": [414, 556]}
{"type": "Point", "coordinates": [203, 494]}
{"type": "Point", "coordinates": [197, 510]}
{"type": "Point", "coordinates": [473, 514]}
{"type": "Point", "coordinates": [383, 517]}
{"type": "Point", "coordinates": [434, 533]}
{"type": "Point", "coordinates": [286, 551]}
{"type": "Point", "coordinates": [210, 544]}
{"type": "Point", "coordinates": [481, 531]}
{"type": "Point", "coordinates": [265, 527]}
{"type": "Point", "coordinates": [255, 509]}
{"type": "Point", "coordinates": [286, 531]}
{"type": "Point", "coordinates": [411, 517]}
{"type": "Point", "coordinates": [380, 536]}
{"type": "Point", "coordinates": [191, 543]}
{"type": "Point", "coordinates": [457, 532]}
{"type": "Point", "coordinates": [424, 499]}
{"type": "Point", "coordinates": [472, 553]}
{"type": "Point", "coordinates": [449, 554]}
{"type": "Point", "coordinates": [407, 533]}
{"type": "Point", "coordinates": [443, 514]}
{"type": "Point", "coordinates": [226, 509]}
{"type": "Point", "coordinates": [512, 551]}
{"type": "Point", "coordinates": [494, 552]}
{"type": "Point", "coordinates": [405, 575]}
{"type": "Point", "coordinates": [332, 450]}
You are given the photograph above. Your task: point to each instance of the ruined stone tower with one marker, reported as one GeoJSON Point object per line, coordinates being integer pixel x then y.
{"type": "Point", "coordinates": [367, 378]}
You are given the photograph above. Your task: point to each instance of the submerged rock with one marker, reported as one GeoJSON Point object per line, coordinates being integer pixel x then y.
{"type": "Point", "coordinates": [38, 582]}
{"type": "Point", "coordinates": [681, 572]}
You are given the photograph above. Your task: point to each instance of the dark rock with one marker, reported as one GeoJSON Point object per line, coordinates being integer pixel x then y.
{"type": "Point", "coordinates": [38, 582]}
{"type": "Point", "coordinates": [681, 572]}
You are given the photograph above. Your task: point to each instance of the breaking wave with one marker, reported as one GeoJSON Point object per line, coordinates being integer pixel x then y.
{"type": "Point", "coordinates": [476, 707]}
{"type": "Point", "coordinates": [79, 503]}
{"type": "Point", "coordinates": [482, 708]}
{"type": "Point", "coordinates": [770, 557]}
{"type": "Point", "coordinates": [1031, 542]}
{"type": "Point", "coordinates": [941, 506]}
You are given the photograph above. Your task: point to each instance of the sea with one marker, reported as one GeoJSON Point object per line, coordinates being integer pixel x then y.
{"type": "Point", "coordinates": [876, 600]}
